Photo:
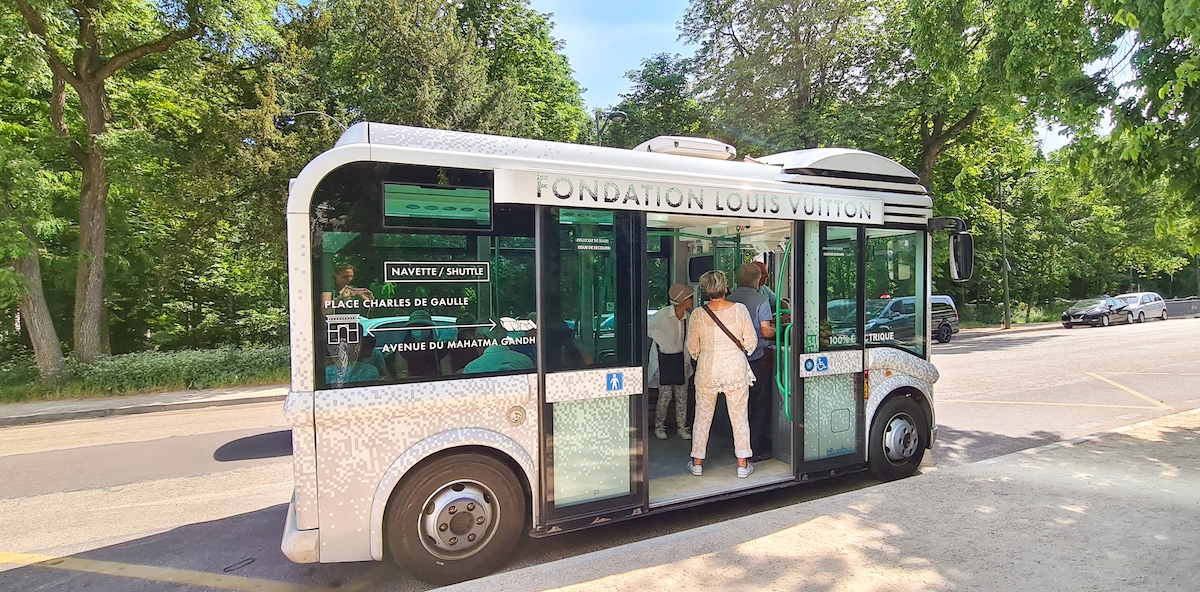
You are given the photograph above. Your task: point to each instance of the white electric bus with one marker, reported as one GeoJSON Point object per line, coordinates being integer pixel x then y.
{"type": "Point", "coordinates": [468, 333]}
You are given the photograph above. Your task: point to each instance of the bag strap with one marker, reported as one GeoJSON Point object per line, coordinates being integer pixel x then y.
{"type": "Point", "coordinates": [725, 329]}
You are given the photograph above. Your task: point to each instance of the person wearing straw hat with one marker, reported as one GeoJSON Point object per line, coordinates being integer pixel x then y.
{"type": "Point", "coordinates": [669, 369]}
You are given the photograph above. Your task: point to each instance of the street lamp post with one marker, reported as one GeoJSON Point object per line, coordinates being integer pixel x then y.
{"type": "Point", "coordinates": [602, 120]}
{"type": "Point", "coordinates": [1004, 258]}
{"type": "Point", "coordinates": [1004, 267]}
{"type": "Point", "coordinates": [321, 113]}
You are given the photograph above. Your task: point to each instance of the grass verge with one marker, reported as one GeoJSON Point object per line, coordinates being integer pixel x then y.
{"type": "Point", "coordinates": [149, 372]}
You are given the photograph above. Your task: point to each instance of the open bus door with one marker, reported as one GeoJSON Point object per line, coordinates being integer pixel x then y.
{"type": "Point", "coordinates": [590, 375]}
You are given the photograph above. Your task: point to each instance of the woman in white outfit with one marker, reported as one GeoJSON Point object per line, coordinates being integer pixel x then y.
{"type": "Point", "coordinates": [721, 368]}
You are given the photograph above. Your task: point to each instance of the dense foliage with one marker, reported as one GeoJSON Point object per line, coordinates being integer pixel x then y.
{"type": "Point", "coordinates": [145, 146]}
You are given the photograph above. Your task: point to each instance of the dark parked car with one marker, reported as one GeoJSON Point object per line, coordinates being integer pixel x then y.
{"type": "Point", "coordinates": [944, 321]}
{"type": "Point", "coordinates": [1097, 312]}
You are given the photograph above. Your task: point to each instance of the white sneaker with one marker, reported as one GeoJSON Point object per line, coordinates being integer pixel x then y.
{"type": "Point", "coordinates": [660, 433]}
{"type": "Point", "coordinates": [745, 471]}
{"type": "Point", "coordinates": [695, 469]}
{"type": "Point", "coordinates": [685, 433]}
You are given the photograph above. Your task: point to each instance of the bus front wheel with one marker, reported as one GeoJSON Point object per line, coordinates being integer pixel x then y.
{"type": "Point", "coordinates": [458, 518]}
{"type": "Point", "coordinates": [899, 437]}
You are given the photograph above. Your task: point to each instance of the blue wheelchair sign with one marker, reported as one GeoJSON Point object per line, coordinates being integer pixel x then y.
{"type": "Point", "coordinates": [822, 364]}
{"type": "Point", "coordinates": [615, 381]}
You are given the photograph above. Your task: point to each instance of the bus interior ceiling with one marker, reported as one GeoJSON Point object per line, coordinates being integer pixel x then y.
{"type": "Point", "coordinates": [680, 249]}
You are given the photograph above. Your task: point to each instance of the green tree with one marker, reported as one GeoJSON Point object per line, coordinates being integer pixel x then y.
{"type": "Point", "coordinates": [85, 44]}
{"type": "Point", "coordinates": [660, 102]}
{"type": "Point", "coordinates": [521, 51]}
{"type": "Point", "coordinates": [780, 74]}
{"type": "Point", "coordinates": [952, 63]}
{"type": "Point", "coordinates": [1156, 126]}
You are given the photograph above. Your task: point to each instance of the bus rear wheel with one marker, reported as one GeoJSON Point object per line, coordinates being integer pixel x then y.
{"type": "Point", "coordinates": [899, 437]}
{"type": "Point", "coordinates": [458, 518]}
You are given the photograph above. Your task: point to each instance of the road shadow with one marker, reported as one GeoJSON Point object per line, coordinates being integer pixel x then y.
{"type": "Point", "coordinates": [269, 445]}
{"type": "Point", "coordinates": [245, 546]}
{"type": "Point", "coordinates": [990, 343]}
{"type": "Point", "coordinates": [958, 447]}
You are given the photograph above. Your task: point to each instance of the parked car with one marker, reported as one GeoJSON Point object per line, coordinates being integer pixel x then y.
{"type": "Point", "coordinates": [1097, 312]}
{"type": "Point", "coordinates": [1145, 305]}
{"type": "Point", "coordinates": [944, 321]}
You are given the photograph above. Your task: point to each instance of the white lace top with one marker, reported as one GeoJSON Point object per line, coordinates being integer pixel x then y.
{"type": "Point", "coordinates": [720, 365]}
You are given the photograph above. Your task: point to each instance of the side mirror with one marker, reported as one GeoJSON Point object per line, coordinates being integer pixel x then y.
{"type": "Point", "coordinates": [962, 256]}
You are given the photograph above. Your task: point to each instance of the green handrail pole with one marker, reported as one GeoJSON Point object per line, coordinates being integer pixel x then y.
{"type": "Point", "coordinates": [783, 342]}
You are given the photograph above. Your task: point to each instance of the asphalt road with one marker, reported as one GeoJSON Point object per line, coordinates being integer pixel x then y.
{"type": "Point", "coordinates": [195, 500]}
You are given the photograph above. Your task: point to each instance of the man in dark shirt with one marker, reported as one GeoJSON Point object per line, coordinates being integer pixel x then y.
{"type": "Point", "coordinates": [760, 392]}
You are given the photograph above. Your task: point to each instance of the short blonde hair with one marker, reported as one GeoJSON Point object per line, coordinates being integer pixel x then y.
{"type": "Point", "coordinates": [713, 284]}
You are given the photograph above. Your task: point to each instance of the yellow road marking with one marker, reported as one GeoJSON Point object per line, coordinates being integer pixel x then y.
{"type": "Point", "coordinates": [1160, 373]}
{"type": "Point", "coordinates": [152, 573]}
{"type": "Point", "coordinates": [940, 401]}
{"type": "Point", "coordinates": [1155, 402]}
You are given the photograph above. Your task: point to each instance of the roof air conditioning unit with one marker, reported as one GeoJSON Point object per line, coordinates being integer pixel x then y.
{"type": "Point", "coordinates": [685, 146]}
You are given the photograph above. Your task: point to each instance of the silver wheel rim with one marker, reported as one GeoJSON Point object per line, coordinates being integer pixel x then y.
{"type": "Point", "coordinates": [1104, 320]}
{"type": "Point", "coordinates": [1129, 319]}
{"type": "Point", "coordinates": [458, 520]}
{"type": "Point", "coordinates": [900, 438]}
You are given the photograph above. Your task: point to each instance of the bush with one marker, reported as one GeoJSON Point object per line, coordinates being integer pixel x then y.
{"type": "Point", "coordinates": [154, 371]}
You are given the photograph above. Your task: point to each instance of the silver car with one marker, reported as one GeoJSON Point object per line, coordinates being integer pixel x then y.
{"type": "Point", "coordinates": [1144, 305]}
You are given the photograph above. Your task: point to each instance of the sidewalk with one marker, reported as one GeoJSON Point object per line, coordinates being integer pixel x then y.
{"type": "Point", "coordinates": [43, 411]}
{"type": "Point", "coordinates": [1114, 511]}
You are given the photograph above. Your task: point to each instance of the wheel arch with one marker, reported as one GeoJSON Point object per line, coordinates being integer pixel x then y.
{"type": "Point", "coordinates": [902, 386]}
{"type": "Point", "coordinates": [441, 445]}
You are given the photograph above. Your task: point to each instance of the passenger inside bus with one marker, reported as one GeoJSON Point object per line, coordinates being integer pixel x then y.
{"type": "Point", "coordinates": [351, 362]}
{"type": "Point", "coordinates": [417, 355]}
{"type": "Point", "coordinates": [498, 357]}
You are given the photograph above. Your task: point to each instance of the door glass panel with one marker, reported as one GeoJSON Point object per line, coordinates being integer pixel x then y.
{"type": "Point", "coordinates": [895, 291]}
{"type": "Point", "coordinates": [839, 319]}
{"type": "Point", "coordinates": [581, 300]}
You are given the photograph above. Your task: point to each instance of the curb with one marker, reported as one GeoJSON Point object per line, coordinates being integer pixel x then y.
{"type": "Point", "coordinates": [983, 332]}
{"type": "Point", "coordinates": [136, 409]}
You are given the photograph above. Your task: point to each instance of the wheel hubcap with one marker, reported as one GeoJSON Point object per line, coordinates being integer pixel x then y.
{"type": "Point", "coordinates": [459, 519]}
{"type": "Point", "coordinates": [900, 438]}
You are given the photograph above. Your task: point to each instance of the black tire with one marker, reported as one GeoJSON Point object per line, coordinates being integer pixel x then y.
{"type": "Point", "coordinates": [944, 333]}
{"type": "Point", "coordinates": [1128, 318]}
{"type": "Point", "coordinates": [1141, 317]}
{"type": "Point", "coordinates": [428, 503]}
{"type": "Point", "coordinates": [1104, 321]}
{"type": "Point", "coordinates": [1163, 316]}
{"type": "Point", "coordinates": [1067, 325]}
{"type": "Point", "coordinates": [899, 437]}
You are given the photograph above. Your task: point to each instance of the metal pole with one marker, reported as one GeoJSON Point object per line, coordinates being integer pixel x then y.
{"type": "Point", "coordinates": [1004, 256]}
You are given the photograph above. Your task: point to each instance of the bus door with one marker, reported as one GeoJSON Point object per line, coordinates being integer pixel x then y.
{"type": "Point", "coordinates": [590, 343]}
{"type": "Point", "coordinates": [829, 365]}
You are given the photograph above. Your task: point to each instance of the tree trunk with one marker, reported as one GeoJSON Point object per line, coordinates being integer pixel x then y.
{"type": "Point", "coordinates": [93, 201]}
{"type": "Point", "coordinates": [52, 367]}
